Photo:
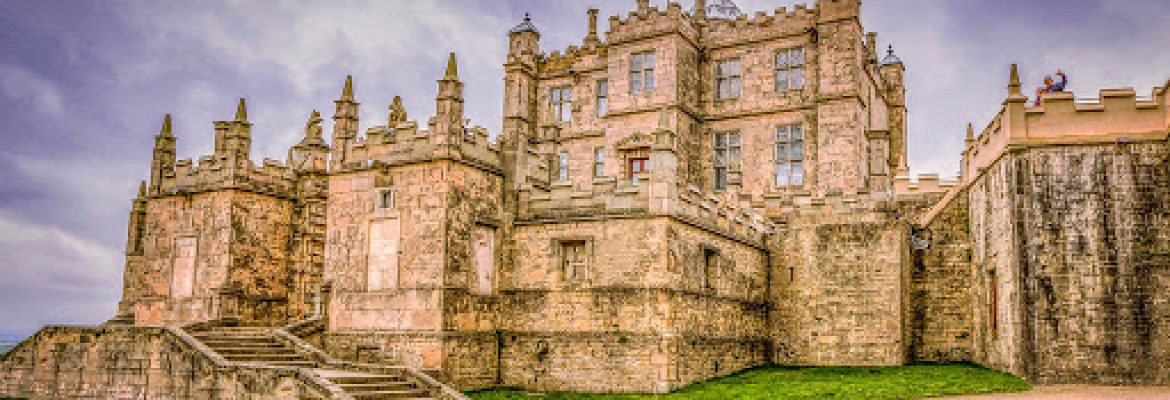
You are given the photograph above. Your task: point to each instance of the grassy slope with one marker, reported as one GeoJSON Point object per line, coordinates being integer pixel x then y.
{"type": "Point", "coordinates": [908, 382]}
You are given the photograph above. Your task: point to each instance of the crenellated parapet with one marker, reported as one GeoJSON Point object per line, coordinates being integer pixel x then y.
{"type": "Point", "coordinates": [650, 22]}
{"type": "Point", "coordinates": [760, 27]}
{"type": "Point", "coordinates": [405, 143]}
{"type": "Point", "coordinates": [271, 177]}
{"type": "Point", "coordinates": [1114, 116]}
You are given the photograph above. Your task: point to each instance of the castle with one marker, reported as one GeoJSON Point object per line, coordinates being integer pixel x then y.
{"type": "Point", "coordinates": [698, 193]}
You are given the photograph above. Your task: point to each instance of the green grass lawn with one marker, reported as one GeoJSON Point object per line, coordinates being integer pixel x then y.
{"type": "Point", "coordinates": [908, 382]}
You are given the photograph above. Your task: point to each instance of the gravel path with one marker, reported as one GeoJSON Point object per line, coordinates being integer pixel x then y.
{"type": "Point", "coordinates": [1080, 392]}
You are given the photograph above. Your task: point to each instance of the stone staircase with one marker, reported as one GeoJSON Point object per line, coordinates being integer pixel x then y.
{"type": "Point", "coordinates": [262, 346]}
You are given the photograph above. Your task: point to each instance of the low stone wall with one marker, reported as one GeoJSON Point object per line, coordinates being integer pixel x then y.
{"type": "Point", "coordinates": [134, 363]}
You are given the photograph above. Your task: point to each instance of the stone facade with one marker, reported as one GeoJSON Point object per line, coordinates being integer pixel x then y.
{"type": "Point", "coordinates": [751, 205]}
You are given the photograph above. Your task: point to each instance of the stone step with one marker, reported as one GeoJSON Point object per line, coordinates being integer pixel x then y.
{"type": "Point", "coordinates": [379, 386]}
{"type": "Point", "coordinates": [252, 350]}
{"type": "Point", "coordinates": [391, 394]}
{"type": "Point", "coordinates": [363, 379]}
{"type": "Point", "coordinates": [227, 342]}
{"type": "Point", "coordinates": [298, 364]}
{"type": "Point", "coordinates": [265, 357]}
{"type": "Point", "coordinates": [234, 336]}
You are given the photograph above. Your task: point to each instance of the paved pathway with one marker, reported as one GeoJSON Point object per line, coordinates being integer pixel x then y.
{"type": "Point", "coordinates": [1081, 392]}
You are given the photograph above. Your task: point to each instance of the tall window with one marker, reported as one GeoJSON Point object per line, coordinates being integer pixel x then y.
{"type": "Point", "coordinates": [602, 97]}
{"type": "Point", "coordinates": [599, 162]}
{"type": "Point", "coordinates": [726, 156]}
{"type": "Point", "coordinates": [789, 156]}
{"type": "Point", "coordinates": [561, 102]}
{"type": "Point", "coordinates": [789, 70]}
{"type": "Point", "coordinates": [574, 259]}
{"type": "Point", "coordinates": [728, 79]}
{"type": "Point", "coordinates": [642, 72]}
{"type": "Point", "coordinates": [563, 166]}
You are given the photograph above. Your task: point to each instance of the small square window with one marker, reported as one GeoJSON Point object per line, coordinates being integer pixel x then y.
{"type": "Point", "coordinates": [386, 198]}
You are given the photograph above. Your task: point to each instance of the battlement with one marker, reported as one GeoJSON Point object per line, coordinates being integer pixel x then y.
{"type": "Point", "coordinates": [1115, 115]}
{"type": "Point", "coordinates": [272, 177]}
{"type": "Point", "coordinates": [762, 26]}
{"type": "Point", "coordinates": [651, 22]}
{"type": "Point", "coordinates": [404, 143]}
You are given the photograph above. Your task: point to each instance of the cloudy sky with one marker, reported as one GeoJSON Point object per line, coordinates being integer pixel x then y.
{"type": "Point", "coordinates": [84, 86]}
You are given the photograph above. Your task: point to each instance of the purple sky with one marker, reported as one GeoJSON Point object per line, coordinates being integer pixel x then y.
{"type": "Point", "coordinates": [84, 86]}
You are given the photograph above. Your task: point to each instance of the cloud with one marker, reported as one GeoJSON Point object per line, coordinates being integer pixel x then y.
{"type": "Point", "coordinates": [53, 276]}
{"type": "Point", "coordinates": [20, 84]}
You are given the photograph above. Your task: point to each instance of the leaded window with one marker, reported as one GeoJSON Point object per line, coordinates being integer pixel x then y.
{"type": "Point", "coordinates": [727, 155]}
{"type": "Point", "coordinates": [789, 70]}
{"type": "Point", "coordinates": [728, 79]}
{"type": "Point", "coordinates": [789, 156]}
{"type": "Point", "coordinates": [642, 72]}
{"type": "Point", "coordinates": [561, 103]}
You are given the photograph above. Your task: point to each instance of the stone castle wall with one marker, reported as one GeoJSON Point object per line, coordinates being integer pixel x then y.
{"type": "Point", "coordinates": [211, 255]}
{"type": "Point", "coordinates": [839, 290]}
{"type": "Point", "coordinates": [1082, 292]}
{"type": "Point", "coordinates": [945, 312]}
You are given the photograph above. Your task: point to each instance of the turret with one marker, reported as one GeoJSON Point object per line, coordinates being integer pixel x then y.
{"type": "Point", "coordinates": [162, 164]}
{"type": "Point", "coordinates": [233, 139]}
{"type": "Point", "coordinates": [449, 104]}
{"type": "Point", "coordinates": [519, 100]}
{"type": "Point", "coordinates": [893, 73]}
{"type": "Point", "coordinates": [345, 124]}
{"type": "Point", "coordinates": [311, 154]}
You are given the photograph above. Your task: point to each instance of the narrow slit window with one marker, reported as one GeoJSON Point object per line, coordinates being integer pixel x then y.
{"type": "Point", "coordinates": [599, 162]}
{"type": "Point", "coordinates": [602, 97]}
{"type": "Point", "coordinates": [710, 264]}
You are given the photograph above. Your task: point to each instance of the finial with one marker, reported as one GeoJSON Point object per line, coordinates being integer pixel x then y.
{"type": "Point", "coordinates": [242, 111]}
{"type": "Point", "coordinates": [1014, 81]}
{"type": "Point", "coordinates": [452, 69]}
{"type": "Point", "coordinates": [701, 8]}
{"type": "Point", "coordinates": [397, 112]}
{"type": "Point", "coordinates": [970, 132]}
{"type": "Point", "coordinates": [166, 126]}
{"type": "Point", "coordinates": [141, 189]}
{"type": "Point", "coordinates": [347, 90]}
{"type": "Point", "coordinates": [643, 5]}
{"type": "Point", "coordinates": [890, 51]}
